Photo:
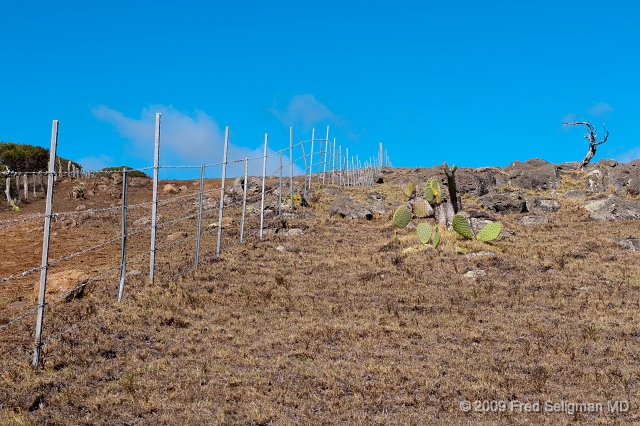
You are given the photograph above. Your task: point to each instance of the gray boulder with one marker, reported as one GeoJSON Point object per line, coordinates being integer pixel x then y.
{"type": "Point", "coordinates": [575, 193]}
{"type": "Point", "coordinates": [625, 178]}
{"type": "Point", "coordinates": [536, 174]}
{"type": "Point", "coordinates": [628, 243]}
{"type": "Point", "coordinates": [347, 207]}
{"type": "Point", "coordinates": [503, 203]}
{"type": "Point", "coordinates": [378, 208]}
{"type": "Point", "coordinates": [542, 205]}
{"type": "Point", "coordinates": [476, 182]}
{"type": "Point", "coordinates": [534, 219]}
{"type": "Point", "coordinates": [614, 207]}
{"type": "Point", "coordinates": [597, 180]}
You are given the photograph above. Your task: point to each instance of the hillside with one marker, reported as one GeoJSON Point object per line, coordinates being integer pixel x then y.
{"type": "Point", "coordinates": [335, 323]}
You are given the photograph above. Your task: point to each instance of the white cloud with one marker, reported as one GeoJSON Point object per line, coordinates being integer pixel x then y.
{"type": "Point", "coordinates": [632, 154]}
{"type": "Point", "coordinates": [184, 139]}
{"type": "Point", "coordinates": [96, 163]}
{"type": "Point", "coordinates": [599, 108]}
{"type": "Point", "coordinates": [305, 111]}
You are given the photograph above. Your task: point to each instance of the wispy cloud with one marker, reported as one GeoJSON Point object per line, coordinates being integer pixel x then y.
{"type": "Point", "coordinates": [184, 139]}
{"type": "Point", "coordinates": [632, 154]}
{"type": "Point", "coordinates": [305, 111]}
{"type": "Point", "coordinates": [599, 108]}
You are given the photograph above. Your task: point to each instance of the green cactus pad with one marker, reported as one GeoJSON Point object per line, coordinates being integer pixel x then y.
{"type": "Point", "coordinates": [409, 189]}
{"type": "Point", "coordinates": [436, 238]}
{"type": "Point", "coordinates": [421, 207]}
{"type": "Point", "coordinates": [402, 216]}
{"type": "Point", "coordinates": [428, 193]}
{"type": "Point", "coordinates": [490, 232]}
{"type": "Point", "coordinates": [424, 232]}
{"type": "Point", "coordinates": [394, 240]}
{"type": "Point", "coordinates": [461, 250]}
{"type": "Point", "coordinates": [461, 225]}
{"type": "Point", "coordinates": [435, 189]}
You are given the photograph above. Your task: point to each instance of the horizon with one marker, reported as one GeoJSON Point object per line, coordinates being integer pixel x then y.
{"type": "Point", "coordinates": [474, 85]}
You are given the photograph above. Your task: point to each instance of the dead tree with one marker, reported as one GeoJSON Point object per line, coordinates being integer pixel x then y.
{"type": "Point", "coordinates": [591, 136]}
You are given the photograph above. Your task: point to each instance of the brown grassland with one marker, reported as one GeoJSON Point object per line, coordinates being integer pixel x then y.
{"type": "Point", "coordinates": [339, 327]}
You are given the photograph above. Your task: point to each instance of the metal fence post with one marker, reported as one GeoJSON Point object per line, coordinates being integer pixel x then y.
{"type": "Point", "coordinates": [123, 261]}
{"type": "Point", "coordinates": [244, 197]}
{"type": "Point", "coordinates": [280, 190]}
{"type": "Point", "coordinates": [200, 200]}
{"type": "Point", "coordinates": [304, 186]}
{"type": "Point", "coordinates": [224, 176]}
{"type": "Point", "coordinates": [313, 135]}
{"type": "Point", "coordinates": [326, 149]}
{"type": "Point", "coordinates": [264, 176]}
{"type": "Point", "coordinates": [291, 164]}
{"type": "Point", "coordinates": [45, 245]}
{"type": "Point", "coordinates": [154, 205]}
{"type": "Point", "coordinates": [340, 182]}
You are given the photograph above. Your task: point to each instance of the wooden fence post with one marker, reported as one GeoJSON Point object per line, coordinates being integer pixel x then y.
{"type": "Point", "coordinates": [123, 261]}
{"type": "Point", "coordinates": [45, 246]}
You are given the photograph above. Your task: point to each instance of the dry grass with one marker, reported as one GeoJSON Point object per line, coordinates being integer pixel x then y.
{"type": "Point", "coordinates": [341, 328]}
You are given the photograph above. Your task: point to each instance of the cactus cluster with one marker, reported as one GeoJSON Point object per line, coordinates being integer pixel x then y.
{"type": "Point", "coordinates": [402, 216]}
{"type": "Point", "coordinates": [489, 232]}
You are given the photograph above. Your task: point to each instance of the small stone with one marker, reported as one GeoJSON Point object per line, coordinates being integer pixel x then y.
{"type": "Point", "coordinates": [176, 236]}
{"type": "Point", "coordinates": [534, 219]}
{"type": "Point", "coordinates": [81, 207]}
{"type": "Point", "coordinates": [475, 273]}
{"type": "Point", "coordinates": [170, 189]}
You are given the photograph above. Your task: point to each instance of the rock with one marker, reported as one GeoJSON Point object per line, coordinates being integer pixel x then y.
{"type": "Point", "coordinates": [133, 273]}
{"type": "Point", "coordinates": [103, 188]}
{"type": "Point", "coordinates": [482, 253]}
{"type": "Point", "coordinates": [625, 178]}
{"type": "Point", "coordinates": [176, 236]}
{"type": "Point", "coordinates": [607, 162]}
{"type": "Point", "coordinates": [379, 179]}
{"type": "Point", "coordinates": [475, 273]}
{"type": "Point", "coordinates": [254, 208]}
{"type": "Point", "coordinates": [629, 243]}
{"type": "Point", "coordinates": [614, 207]}
{"type": "Point", "coordinates": [597, 181]}
{"type": "Point", "coordinates": [170, 189]}
{"type": "Point", "coordinates": [535, 174]}
{"type": "Point", "coordinates": [478, 223]}
{"type": "Point", "coordinates": [183, 188]}
{"type": "Point", "coordinates": [378, 208]}
{"type": "Point", "coordinates": [139, 181]}
{"type": "Point", "coordinates": [226, 221]}
{"type": "Point", "coordinates": [475, 182]}
{"type": "Point", "coordinates": [542, 205]}
{"type": "Point", "coordinates": [292, 232]}
{"type": "Point", "coordinates": [329, 190]}
{"type": "Point", "coordinates": [377, 197]}
{"type": "Point", "coordinates": [575, 193]}
{"type": "Point", "coordinates": [534, 219]}
{"type": "Point", "coordinates": [503, 203]}
{"type": "Point", "coordinates": [62, 282]}
{"type": "Point", "coordinates": [146, 220]}
{"type": "Point", "coordinates": [81, 207]}
{"type": "Point", "coordinates": [347, 207]}
{"type": "Point", "coordinates": [117, 178]}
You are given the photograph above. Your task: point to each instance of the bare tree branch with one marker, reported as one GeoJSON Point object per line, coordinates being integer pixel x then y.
{"type": "Point", "coordinates": [591, 136]}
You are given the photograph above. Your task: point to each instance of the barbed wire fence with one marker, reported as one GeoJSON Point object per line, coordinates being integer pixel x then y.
{"type": "Point", "coordinates": [256, 204]}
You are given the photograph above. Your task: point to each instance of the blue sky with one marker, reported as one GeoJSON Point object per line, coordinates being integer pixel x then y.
{"type": "Point", "coordinates": [467, 82]}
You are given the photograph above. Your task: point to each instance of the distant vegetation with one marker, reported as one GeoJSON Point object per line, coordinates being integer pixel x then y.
{"type": "Point", "coordinates": [132, 173]}
{"type": "Point", "coordinates": [27, 158]}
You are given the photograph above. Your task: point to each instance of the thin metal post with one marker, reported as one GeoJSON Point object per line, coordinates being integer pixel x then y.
{"type": "Point", "coordinates": [340, 182]}
{"type": "Point", "coordinates": [123, 261]}
{"type": "Point", "coordinates": [291, 164]}
{"type": "Point", "coordinates": [224, 176]}
{"type": "Point", "coordinates": [313, 135]}
{"type": "Point", "coordinates": [154, 205]}
{"type": "Point", "coordinates": [380, 158]}
{"type": "Point", "coordinates": [326, 149]}
{"type": "Point", "coordinates": [333, 162]}
{"type": "Point", "coordinates": [45, 245]}
{"type": "Point", "coordinates": [200, 202]}
{"type": "Point", "coordinates": [264, 176]}
{"type": "Point", "coordinates": [280, 190]}
{"type": "Point", "coordinates": [347, 167]}
{"type": "Point", "coordinates": [244, 196]}
{"type": "Point", "coordinates": [304, 186]}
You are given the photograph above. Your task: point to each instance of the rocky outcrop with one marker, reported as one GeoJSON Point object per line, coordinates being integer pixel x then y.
{"type": "Point", "coordinates": [535, 174]}
{"type": "Point", "coordinates": [625, 178]}
{"type": "Point", "coordinates": [542, 205]}
{"type": "Point", "coordinates": [347, 207]}
{"type": "Point", "coordinates": [64, 282]}
{"type": "Point", "coordinates": [508, 203]}
{"type": "Point", "coordinates": [476, 182]}
{"type": "Point", "coordinates": [614, 207]}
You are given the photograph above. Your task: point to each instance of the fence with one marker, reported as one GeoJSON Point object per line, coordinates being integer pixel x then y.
{"type": "Point", "coordinates": [255, 202]}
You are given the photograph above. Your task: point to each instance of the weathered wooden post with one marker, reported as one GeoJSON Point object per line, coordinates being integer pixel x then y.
{"type": "Point", "coordinates": [123, 260]}
{"type": "Point", "coordinates": [45, 246]}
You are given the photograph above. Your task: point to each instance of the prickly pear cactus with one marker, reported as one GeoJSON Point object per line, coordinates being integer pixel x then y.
{"type": "Point", "coordinates": [461, 250]}
{"type": "Point", "coordinates": [394, 240]}
{"type": "Point", "coordinates": [421, 207]}
{"type": "Point", "coordinates": [428, 193]}
{"type": "Point", "coordinates": [436, 238]}
{"type": "Point", "coordinates": [424, 232]}
{"type": "Point", "coordinates": [462, 227]}
{"type": "Point", "coordinates": [490, 232]}
{"type": "Point", "coordinates": [402, 216]}
{"type": "Point", "coordinates": [434, 185]}
{"type": "Point", "coordinates": [409, 189]}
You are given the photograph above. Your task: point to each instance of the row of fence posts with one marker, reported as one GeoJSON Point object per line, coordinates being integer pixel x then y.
{"type": "Point", "coordinates": [353, 174]}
